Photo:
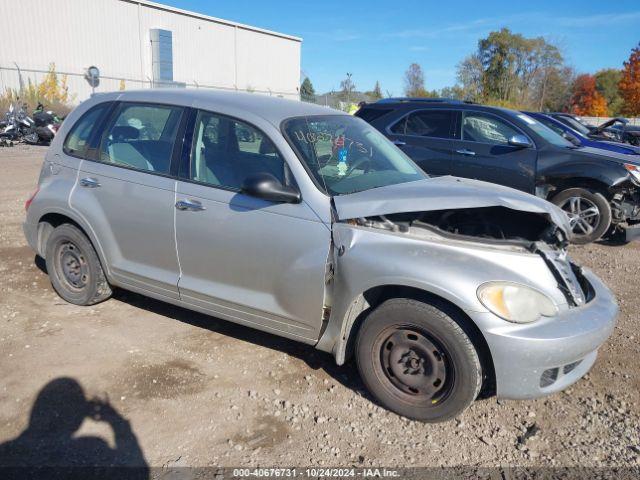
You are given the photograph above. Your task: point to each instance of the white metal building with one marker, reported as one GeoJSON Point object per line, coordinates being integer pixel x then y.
{"type": "Point", "coordinates": [137, 43]}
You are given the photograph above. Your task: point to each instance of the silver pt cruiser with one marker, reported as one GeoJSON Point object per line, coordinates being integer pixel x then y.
{"type": "Point", "coordinates": [308, 223]}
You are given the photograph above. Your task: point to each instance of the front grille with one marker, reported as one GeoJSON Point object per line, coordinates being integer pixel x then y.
{"type": "Point", "coordinates": [565, 274]}
{"type": "Point", "coordinates": [548, 377]}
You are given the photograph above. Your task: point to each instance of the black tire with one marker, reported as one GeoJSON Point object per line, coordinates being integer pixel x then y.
{"type": "Point", "coordinates": [586, 229]}
{"type": "Point", "coordinates": [443, 381]}
{"type": "Point", "coordinates": [74, 267]}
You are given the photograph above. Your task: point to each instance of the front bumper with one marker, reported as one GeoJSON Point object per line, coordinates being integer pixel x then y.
{"type": "Point", "coordinates": [547, 356]}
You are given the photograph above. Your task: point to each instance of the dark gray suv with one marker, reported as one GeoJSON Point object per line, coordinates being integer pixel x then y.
{"type": "Point", "coordinates": [599, 191]}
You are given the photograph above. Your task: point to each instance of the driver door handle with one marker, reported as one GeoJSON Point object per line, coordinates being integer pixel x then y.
{"type": "Point", "coordinates": [89, 182]}
{"type": "Point", "coordinates": [464, 151]}
{"type": "Point", "coordinates": [399, 143]}
{"type": "Point", "coordinates": [190, 205]}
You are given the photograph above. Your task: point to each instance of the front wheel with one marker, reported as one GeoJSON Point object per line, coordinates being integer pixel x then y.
{"type": "Point", "coordinates": [589, 213]}
{"type": "Point", "coordinates": [417, 361]}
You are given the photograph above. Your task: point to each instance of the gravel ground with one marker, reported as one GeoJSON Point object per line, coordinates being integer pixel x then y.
{"type": "Point", "coordinates": [198, 391]}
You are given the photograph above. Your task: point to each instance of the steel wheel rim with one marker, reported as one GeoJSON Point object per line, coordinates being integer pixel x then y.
{"type": "Point", "coordinates": [73, 265]}
{"type": "Point", "coordinates": [415, 364]}
{"type": "Point", "coordinates": [584, 215]}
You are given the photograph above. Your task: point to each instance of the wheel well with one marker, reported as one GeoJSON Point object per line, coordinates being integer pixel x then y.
{"type": "Point", "coordinates": [581, 182]}
{"type": "Point", "coordinates": [377, 295]}
{"type": "Point", "coordinates": [48, 223]}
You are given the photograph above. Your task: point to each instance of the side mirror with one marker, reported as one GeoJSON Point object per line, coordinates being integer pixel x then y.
{"type": "Point", "coordinates": [268, 187]}
{"type": "Point", "coordinates": [520, 141]}
{"type": "Point", "coordinates": [572, 138]}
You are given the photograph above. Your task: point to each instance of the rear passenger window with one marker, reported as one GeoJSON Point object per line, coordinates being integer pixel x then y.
{"type": "Point", "coordinates": [77, 141]}
{"type": "Point", "coordinates": [479, 127]}
{"type": "Point", "coordinates": [432, 123]}
{"type": "Point", "coordinates": [225, 152]}
{"type": "Point", "coordinates": [141, 137]}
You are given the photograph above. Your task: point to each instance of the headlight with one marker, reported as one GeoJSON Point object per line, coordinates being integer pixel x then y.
{"type": "Point", "coordinates": [516, 303]}
{"type": "Point", "coordinates": [634, 170]}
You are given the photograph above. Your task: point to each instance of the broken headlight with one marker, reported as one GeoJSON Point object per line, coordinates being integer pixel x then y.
{"type": "Point", "coordinates": [634, 170]}
{"type": "Point", "coordinates": [515, 303]}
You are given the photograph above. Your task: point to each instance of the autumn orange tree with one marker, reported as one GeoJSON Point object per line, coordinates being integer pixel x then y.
{"type": "Point", "coordinates": [629, 85]}
{"type": "Point", "coordinates": [586, 100]}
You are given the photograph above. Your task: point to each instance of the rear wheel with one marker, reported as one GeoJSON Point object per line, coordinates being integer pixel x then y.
{"type": "Point", "coordinates": [417, 361]}
{"type": "Point", "coordinates": [74, 268]}
{"type": "Point", "coordinates": [589, 213]}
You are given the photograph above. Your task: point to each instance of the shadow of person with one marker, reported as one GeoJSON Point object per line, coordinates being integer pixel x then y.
{"type": "Point", "coordinates": [50, 442]}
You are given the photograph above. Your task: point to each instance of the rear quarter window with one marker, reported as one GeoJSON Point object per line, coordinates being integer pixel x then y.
{"type": "Point", "coordinates": [371, 114]}
{"type": "Point", "coordinates": [77, 141]}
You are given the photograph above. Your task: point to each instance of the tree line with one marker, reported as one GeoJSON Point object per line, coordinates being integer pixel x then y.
{"type": "Point", "coordinates": [513, 71]}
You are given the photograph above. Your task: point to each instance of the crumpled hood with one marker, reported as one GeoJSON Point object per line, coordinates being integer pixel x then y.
{"type": "Point", "coordinates": [443, 193]}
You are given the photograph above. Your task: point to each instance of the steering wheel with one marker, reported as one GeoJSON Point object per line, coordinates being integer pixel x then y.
{"type": "Point", "coordinates": [361, 161]}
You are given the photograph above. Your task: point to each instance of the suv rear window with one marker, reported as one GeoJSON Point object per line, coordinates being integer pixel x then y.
{"type": "Point", "coordinates": [77, 140]}
{"type": "Point", "coordinates": [369, 114]}
{"type": "Point", "coordinates": [426, 123]}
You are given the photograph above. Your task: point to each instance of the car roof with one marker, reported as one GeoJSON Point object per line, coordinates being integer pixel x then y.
{"type": "Point", "coordinates": [272, 109]}
{"type": "Point", "coordinates": [402, 102]}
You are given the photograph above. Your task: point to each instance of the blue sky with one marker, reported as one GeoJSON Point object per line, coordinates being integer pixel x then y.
{"type": "Point", "coordinates": [377, 40]}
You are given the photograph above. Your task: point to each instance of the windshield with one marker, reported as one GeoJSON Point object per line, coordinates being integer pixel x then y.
{"type": "Point", "coordinates": [576, 125]}
{"type": "Point", "coordinates": [545, 132]}
{"type": "Point", "coordinates": [346, 155]}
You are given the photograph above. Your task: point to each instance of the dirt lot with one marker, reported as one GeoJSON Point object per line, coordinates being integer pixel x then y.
{"type": "Point", "coordinates": [200, 391]}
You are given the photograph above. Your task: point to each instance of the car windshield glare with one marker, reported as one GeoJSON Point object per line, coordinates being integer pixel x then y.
{"type": "Point", "coordinates": [545, 132]}
{"type": "Point", "coordinates": [344, 154]}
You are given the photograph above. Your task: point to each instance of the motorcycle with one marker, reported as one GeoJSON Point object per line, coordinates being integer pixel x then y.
{"type": "Point", "coordinates": [46, 124]}
{"type": "Point", "coordinates": [20, 126]}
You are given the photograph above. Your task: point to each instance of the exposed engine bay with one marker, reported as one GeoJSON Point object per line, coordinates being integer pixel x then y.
{"type": "Point", "coordinates": [489, 224]}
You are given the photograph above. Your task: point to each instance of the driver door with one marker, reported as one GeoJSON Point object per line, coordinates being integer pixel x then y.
{"type": "Point", "coordinates": [241, 258]}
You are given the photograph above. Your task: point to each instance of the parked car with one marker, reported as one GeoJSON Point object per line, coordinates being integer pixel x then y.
{"type": "Point", "coordinates": [600, 191]}
{"type": "Point", "coordinates": [614, 130]}
{"type": "Point", "coordinates": [328, 235]}
{"type": "Point", "coordinates": [580, 139]}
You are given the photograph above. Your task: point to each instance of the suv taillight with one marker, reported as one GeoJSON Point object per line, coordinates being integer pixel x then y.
{"type": "Point", "coordinates": [27, 204]}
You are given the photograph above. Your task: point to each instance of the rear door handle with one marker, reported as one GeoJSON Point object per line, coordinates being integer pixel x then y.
{"type": "Point", "coordinates": [399, 143]}
{"type": "Point", "coordinates": [190, 205]}
{"type": "Point", "coordinates": [90, 182]}
{"type": "Point", "coordinates": [464, 151]}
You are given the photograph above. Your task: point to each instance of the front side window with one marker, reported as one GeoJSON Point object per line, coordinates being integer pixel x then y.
{"type": "Point", "coordinates": [345, 155]}
{"type": "Point", "coordinates": [224, 152]}
{"type": "Point", "coordinates": [479, 127]}
{"type": "Point", "coordinates": [141, 136]}
{"type": "Point", "coordinates": [77, 141]}
{"type": "Point", "coordinates": [431, 123]}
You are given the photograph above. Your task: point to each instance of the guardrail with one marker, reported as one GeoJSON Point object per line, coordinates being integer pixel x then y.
{"type": "Point", "coordinates": [600, 120]}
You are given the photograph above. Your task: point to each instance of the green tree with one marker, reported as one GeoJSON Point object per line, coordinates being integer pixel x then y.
{"type": "Point", "coordinates": [471, 78]}
{"type": "Point", "coordinates": [510, 69]}
{"type": "Point", "coordinates": [376, 94]}
{"type": "Point", "coordinates": [347, 87]}
{"type": "Point", "coordinates": [414, 82]}
{"type": "Point", "coordinates": [307, 92]}
{"type": "Point", "coordinates": [607, 81]}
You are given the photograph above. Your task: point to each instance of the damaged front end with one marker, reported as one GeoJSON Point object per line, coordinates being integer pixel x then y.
{"type": "Point", "coordinates": [499, 227]}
